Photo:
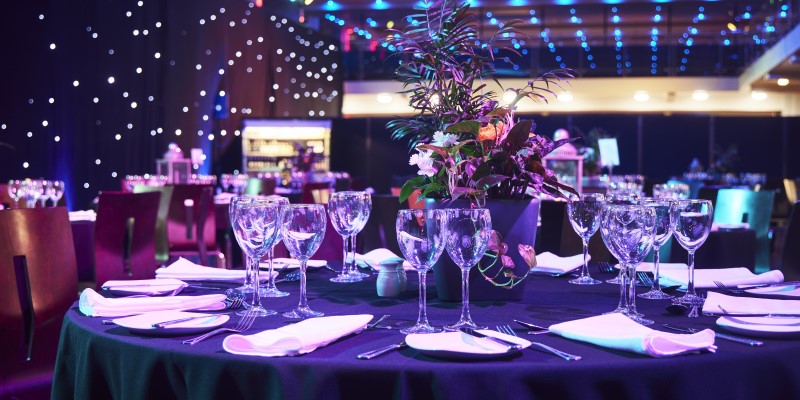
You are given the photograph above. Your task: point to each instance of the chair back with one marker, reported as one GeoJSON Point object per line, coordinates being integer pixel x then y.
{"type": "Point", "coordinates": [755, 208]}
{"type": "Point", "coordinates": [191, 224]}
{"type": "Point", "coordinates": [162, 246]}
{"type": "Point", "coordinates": [790, 186]}
{"type": "Point", "coordinates": [125, 236]}
{"type": "Point", "coordinates": [790, 254]}
{"type": "Point", "coordinates": [315, 192]}
{"type": "Point", "coordinates": [261, 186]}
{"type": "Point", "coordinates": [39, 281]}
{"type": "Point", "coordinates": [379, 232]}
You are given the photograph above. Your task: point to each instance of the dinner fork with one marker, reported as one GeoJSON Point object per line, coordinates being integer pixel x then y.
{"type": "Point", "coordinates": [604, 266]}
{"type": "Point", "coordinates": [569, 357]}
{"type": "Point", "coordinates": [722, 286]}
{"type": "Point", "coordinates": [644, 278]}
{"type": "Point", "coordinates": [244, 324]}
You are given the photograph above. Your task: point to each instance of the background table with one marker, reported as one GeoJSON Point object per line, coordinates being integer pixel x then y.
{"type": "Point", "coordinates": [101, 361]}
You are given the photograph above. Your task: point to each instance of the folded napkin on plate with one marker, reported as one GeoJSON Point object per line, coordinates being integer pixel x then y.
{"type": "Point", "coordinates": [300, 338]}
{"type": "Point", "coordinates": [186, 270]}
{"type": "Point", "coordinates": [648, 267]}
{"type": "Point", "coordinates": [378, 257]}
{"type": "Point", "coordinates": [550, 263]}
{"type": "Point", "coordinates": [93, 304]}
{"type": "Point", "coordinates": [748, 305]}
{"type": "Point", "coordinates": [619, 332]}
{"type": "Point", "coordinates": [704, 278]}
{"type": "Point", "coordinates": [87, 215]}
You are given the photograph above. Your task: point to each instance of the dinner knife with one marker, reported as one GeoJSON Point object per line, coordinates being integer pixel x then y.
{"type": "Point", "coordinates": [164, 324]}
{"type": "Point", "coordinates": [534, 329]}
{"type": "Point", "coordinates": [383, 350]}
{"type": "Point", "coordinates": [506, 343]}
{"type": "Point", "coordinates": [749, 342]}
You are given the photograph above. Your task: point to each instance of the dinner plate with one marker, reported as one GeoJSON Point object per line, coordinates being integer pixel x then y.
{"type": "Point", "coordinates": [459, 345]}
{"type": "Point", "coordinates": [146, 287]}
{"type": "Point", "coordinates": [143, 323]}
{"type": "Point", "coordinates": [762, 326]}
{"type": "Point", "coordinates": [778, 291]}
{"type": "Point", "coordinates": [291, 263]}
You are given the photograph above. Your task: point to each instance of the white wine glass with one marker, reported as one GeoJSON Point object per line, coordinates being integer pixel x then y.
{"type": "Point", "coordinates": [466, 239]}
{"type": "Point", "coordinates": [621, 197]}
{"type": "Point", "coordinates": [56, 191]}
{"type": "Point", "coordinates": [15, 191]}
{"type": "Point", "coordinates": [303, 228]}
{"type": "Point", "coordinates": [270, 290]}
{"type": "Point", "coordinates": [45, 194]}
{"type": "Point", "coordinates": [691, 223]}
{"type": "Point", "coordinates": [663, 233]}
{"type": "Point", "coordinates": [585, 212]}
{"type": "Point", "coordinates": [349, 212]}
{"type": "Point", "coordinates": [247, 285]}
{"type": "Point", "coordinates": [256, 226]}
{"type": "Point", "coordinates": [420, 234]}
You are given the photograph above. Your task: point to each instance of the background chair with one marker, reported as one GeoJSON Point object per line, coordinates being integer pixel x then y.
{"type": "Point", "coordinates": [38, 276]}
{"type": "Point", "coordinates": [262, 186]}
{"type": "Point", "coordinates": [755, 208]}
{"type": "Point", "coordinates": [315, 192]}
{"type": "Point", "coordinates": [790, 255]}
{"type": "Point", "coordinates": [162, 246]}
{"type": "Point", "coordinates": [191, 224]}
{"type": "Point", "coordinates": [125, 236]}
{"type": "Point", "coordinates": [560, 238]}
{"type": "Point", "coordinates": [379, 232]}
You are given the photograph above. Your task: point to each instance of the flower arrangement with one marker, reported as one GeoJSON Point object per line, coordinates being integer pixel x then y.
{"type": "Point", "coordinates": [467, 143]}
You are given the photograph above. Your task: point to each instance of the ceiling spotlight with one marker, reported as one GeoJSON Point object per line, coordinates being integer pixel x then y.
{"type": "Point", "coordinates": [565, 97]}
{"type": "Point", "coordinates": [732, 27]}
{"type": "Point", "coordinates": [384, 98]}
{"type": "Point", "coordinates": [783, 81]}
{"type": "Point", "coordinates": [700, 95]}
{"type": "Point", "coordinates": [641, 96]}
{"type": "Point", "coordinates": [758, 95]}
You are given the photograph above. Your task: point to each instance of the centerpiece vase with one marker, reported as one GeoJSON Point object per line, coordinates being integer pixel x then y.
{"type": "Point", "coordinates": [516, 221]}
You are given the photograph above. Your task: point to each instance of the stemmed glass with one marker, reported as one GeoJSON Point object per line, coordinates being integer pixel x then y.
{"type": "Point", "coordinates": [585, 213]}
{"type": "Point", "coordinates": [256, 226]}
{"type": "Point", "coordinates": [621, 197]}
{"type": "Point", "coordinates": [45, 191]}
{"type": "Point", "coordinates": [225, 181]}
{"type": "Point", "coordinates": [663, 233]}
{"type": "Point", "coordinates": [15, 191]}
{"type": "Point", "coordinates": [247, 285]}
{"type": "Point", "coordinates": [420, 234]}
{"type": "Point", "coordinates": [349, 212]}
{"type": "Point", "coordinates": [691, 223]}
{"type": "Point", "coordinates": [466, 239]}
{"type": "Point", "coordinates": [56, 191]}
{"type": "Point", "coordinates": [303, 228]}
{"type": "Point", "coordinates": [629, 231]}
{"type": "Point", "coordinates": [271, 290]}
{"type": "Point", "coordinates": [32, 191]}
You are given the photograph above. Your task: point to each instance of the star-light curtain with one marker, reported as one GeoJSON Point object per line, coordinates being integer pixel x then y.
{"type": "Point", "coordinates": [94, 90]}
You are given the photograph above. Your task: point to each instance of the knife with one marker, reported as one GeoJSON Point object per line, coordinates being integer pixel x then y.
{"type": "Point", "coordinates": [749, 342]}
{"type": "Point", "coordinates": [164, 324]}
{"type": "Point", "coordinates": [506, 343]}
{"type": "Point", "coordinates": [534, 329]}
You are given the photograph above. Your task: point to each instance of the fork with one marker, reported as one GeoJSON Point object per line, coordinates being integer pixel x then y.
{"type": "Point", "coordinates": [244, 324]}
{"type": "Point", "coordinates": [605, 266]}
{"type": "Point", "coordinates": [722, 286]}
{"type": "Point", "coordinates": [645, 278]}
{"type": "Point", "coordinates": [569, 357]}
{"type": "Point", "coordinates": [290, 277]}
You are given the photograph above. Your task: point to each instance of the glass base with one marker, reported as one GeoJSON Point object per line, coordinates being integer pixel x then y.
{"type": "Point", "coordinates": [302, 313]}
{"type": "Point", "coordinates": [585, 280]}
{"type": "Point", "coordinates": [641, 320]}
{"type": "Point", "coordinates": [271, 292]}
{"type": "Point", "coordinates": [655, 295]}
{"type": "Point", "coordinates": [245, 288]}
{"type": "Point", "coordinates": [690, 299]}
{"type": "Point", "coordinates": [258, 311]}
{"type": "Point", "coordinates": [346, 278]}
{"type": "Point", "coordinates": [463, 324]}
{"type": "Point", "coordinates": [360, 274]}
{"type": "Point", "coordinates": [420, 328]}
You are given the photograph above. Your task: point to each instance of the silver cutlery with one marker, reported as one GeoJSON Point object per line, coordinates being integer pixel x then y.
{"type": "Point", "coordinates": [376, 322]}
{"type": "Point", "coordinates": [569, 357]}
{"type": "Point", "coordinates": [290, 277]}
{"type": "Point", "coordinates": [725, 313]}
{"type": "Point", "coordinates": [644, 278]}
{"type": "Point", "coordinates": [533, 329]}
{"type": "Point", "coordinates": [383, 350]}
{"type": "Point", "coordinates": [244, 324]}
{"type": "Point", "coordinates": [737, 339]}
{"type": "Point", "coordinates": [164, 324]}
{"type": "Point", "coordinates": [510, 345]}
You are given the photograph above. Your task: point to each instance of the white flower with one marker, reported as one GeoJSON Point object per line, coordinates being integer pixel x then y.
{"type": "Point", "coordinates": [424, 161]}
{"type": "Point", "coordinates": [444, 139]}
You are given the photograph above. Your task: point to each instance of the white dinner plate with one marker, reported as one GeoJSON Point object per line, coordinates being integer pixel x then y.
{"type": "Point", "coordinates": [778, 290]}
{"type": "Point", "coordinates": [143, 323]}
{"type": "Point", "coordinates": [459, 345]}
{"type": "Point", "coordinates": [291, 263]}
{"type": "Point", "coordinates": [762, 326]}
{"type": "Point", "coordinates": [148, 287]}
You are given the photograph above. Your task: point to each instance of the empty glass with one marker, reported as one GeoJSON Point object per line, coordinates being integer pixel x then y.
{"type": "Point", "coordinates": [466, 239]}
{"type": "Point", "coordinates": [349, 212]}
{"type": "Point", "coordinates": [247, 285]}
{"type": "Point", "coordinates": [56, 191]}
{"type": "Point", "coordinates": [420, 234]}
{"type": "Point", "coordinates": [663, 233]}
{"type": "Point", "coordinates": [691, 223]}
{"type": "Point", "coordinates": [621, 197]}
{"type": "Point", "coordinates": [270, 290]}
{"type": "Point", "coordinates": [256, 225]}
{"type": "Point", "coordinates": [45, 191]}
{"type": "Point", "coordinates": [32, 190]}
{"type": "Point", "coordinates": [675, 191]}
{"type": "Point", "coordinates": [15, 191]}
{"type": "Point", "coordinates": [303, 229]}
{"type": "Point", "coordinates": [585, 213]}
{"type": "Point", "coordinates": [628, 231]}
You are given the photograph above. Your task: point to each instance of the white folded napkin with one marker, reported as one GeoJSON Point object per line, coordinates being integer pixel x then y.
{"type": "Point", "coordinates": [93, 304]}
{"type": "Point", "coordinates": [748, 305]}
{"type": "Point", "coordinates": [704, 278]}
{"type": "Point", "coordinates": [619, 332]}
{"type": "Point", "coordinates": [715, 226]}
{"type": "Point", "coordinates": [378, 257]}
{"type": "Point", "coordinates": [549, 263]}
{"type": "Point", "coordinates": [649, 267]}
{"type": "Point", "coordinates": [145, 285]}
{"type": "Point", "coordinates": [186, 270]}
{"type": "Point", "coordinates": [83, 215]}
{"type": "Point", "coordinates": [300, 338]}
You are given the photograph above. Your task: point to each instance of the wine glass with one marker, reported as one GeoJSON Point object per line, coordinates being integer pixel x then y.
{"type": "Point", "coordinates": [45, 191]}
{"type": "Point", "coordinates": [15, 191]}
{"type": "Point", "coordinates": [247, 285]}
{"type": "Point", "coordinates": [255, 225]}
{"type": "Point", "coordinates": [225, 181]}
{"type": "Point", "coordinates": [629, 231]}
{"type": "Point", "coordinates": [663, 233]}
{"type": "Point", "coordinates": [467, 236]}
{"type": "Point", "coordinates": [420, 234]}
{"type": "Point", "coordinates": [349, 212]}
{"type": "Point", "coordinates": [271, 290]}
{"type": "Point", "coordinates": [56, 191]}
{"type": "Point", "coordinates": [585, 212]}
{"type": "Point", "coordinates": [691, 222]}
{"type": "Point", "coordinates": [33, 190]}
{"type": "Point", "coordinates": [303, 228]}
{"type": "Point", "coordinates": [621, 197]}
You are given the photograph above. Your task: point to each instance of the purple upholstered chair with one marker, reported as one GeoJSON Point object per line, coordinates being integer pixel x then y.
{"type": "Point", "coordinates": [191, 224]}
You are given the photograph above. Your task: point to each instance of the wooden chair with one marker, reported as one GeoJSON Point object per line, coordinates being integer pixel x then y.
{"type": "Point", "coordinates": [162, 246]}
{"type": "Point", "coordinates": [315, 192]}
{"type": "Point", "coordinates": [38, 276]}
{"type": "Point", "coordinates": [125, 236]}
{"type": "Point", "coordinates": [191, 224]}
{"type": "Point", "coordinates": [790, 254]}
{"type": "Point", "coordinates": [560, 238]}
{"type": "Point", "coordinates": [755, 208]}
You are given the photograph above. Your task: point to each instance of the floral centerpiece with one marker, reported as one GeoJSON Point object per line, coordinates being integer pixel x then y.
{"type": "Point", "coordinates": [466, 143]}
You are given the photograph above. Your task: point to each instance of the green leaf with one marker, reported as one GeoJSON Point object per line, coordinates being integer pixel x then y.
{"type": "Point", "coordinates": [409, 187]}
{"type": "Point", "coordinates": [490, 180]}
{"type": "Point", "coordinates": [471, 127]}
{"type": "Point", "coordinates": [432, 187]}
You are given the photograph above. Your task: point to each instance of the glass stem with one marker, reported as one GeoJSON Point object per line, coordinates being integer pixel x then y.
{"type": "Point", "coordinates": [585, 270]}
{"type": "Point", "coordinates": [271, 277]}
{"type": "Point", "coordinates": [303, 300]}
{"type": "Point", "coordinates": [623, 288]}
{"type": "Point", "coordinates": [254, 269]}
{"type": "Point", "coordinates": [690, 284]}
{"type": "Point", "coordinates": [656, 261]}
{"type": "Point", "coordinates": [351, 253]}
{"type": "Point", "coordinates": [631, 282]}
{"type": "Point", "coordinates": [345, 255]}
{"type": "Point", "coordinates": [422, 319]}
{"type": "Point", "coordinates": [465, 295]}
{"type": "Point", "coordinates": [248, 272]}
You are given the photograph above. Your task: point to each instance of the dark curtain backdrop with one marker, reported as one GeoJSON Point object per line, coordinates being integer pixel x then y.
{"type": "Point", "coordinates": [205, 65]}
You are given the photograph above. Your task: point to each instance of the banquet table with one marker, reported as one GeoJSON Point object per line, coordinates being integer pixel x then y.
{"type": "Point", "coordinates": [106, 361]}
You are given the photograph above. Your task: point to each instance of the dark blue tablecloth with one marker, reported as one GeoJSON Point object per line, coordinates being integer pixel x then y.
{"type": "Point", "coordinates": [101, 361]}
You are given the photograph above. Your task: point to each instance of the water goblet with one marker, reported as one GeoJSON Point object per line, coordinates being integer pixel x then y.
{"type": "Point", "coordinates": [247, 285]}
{"type": "Point", "coordinates": [349, 212]}
{"type": "Point", "coordinates": [271, 290]}
{"type": "Point", "coordinates": [467, 236]}
{"type": "Point", "coordinates": [45, 194]}
{"type": "Point", "coordinates": [303, 228]}
{"type": "Point", "coordinates": [621, 197]}
{"type": "Point", "coordinates": [15, 191]}
{"type": "Point", "coordinates": [585, 212]}
{"type": "Point", "coordinates": [33, 190]}
{"type": "Point", "coordinates": [691, 222]}
{"type": "Point", "coordinates": [56, 192]}
{"type": "Point", "coordinates": [663, 233]}
{"type": "Point", "coordinates": [629, 231]}
{"type": "Point", "coordinates": [256, 226]}
{"type": "Point", "coordinates": [420, 234]}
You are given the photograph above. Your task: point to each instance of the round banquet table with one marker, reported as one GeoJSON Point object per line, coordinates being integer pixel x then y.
{"type": "Point", "coordinates": [97, 361]}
